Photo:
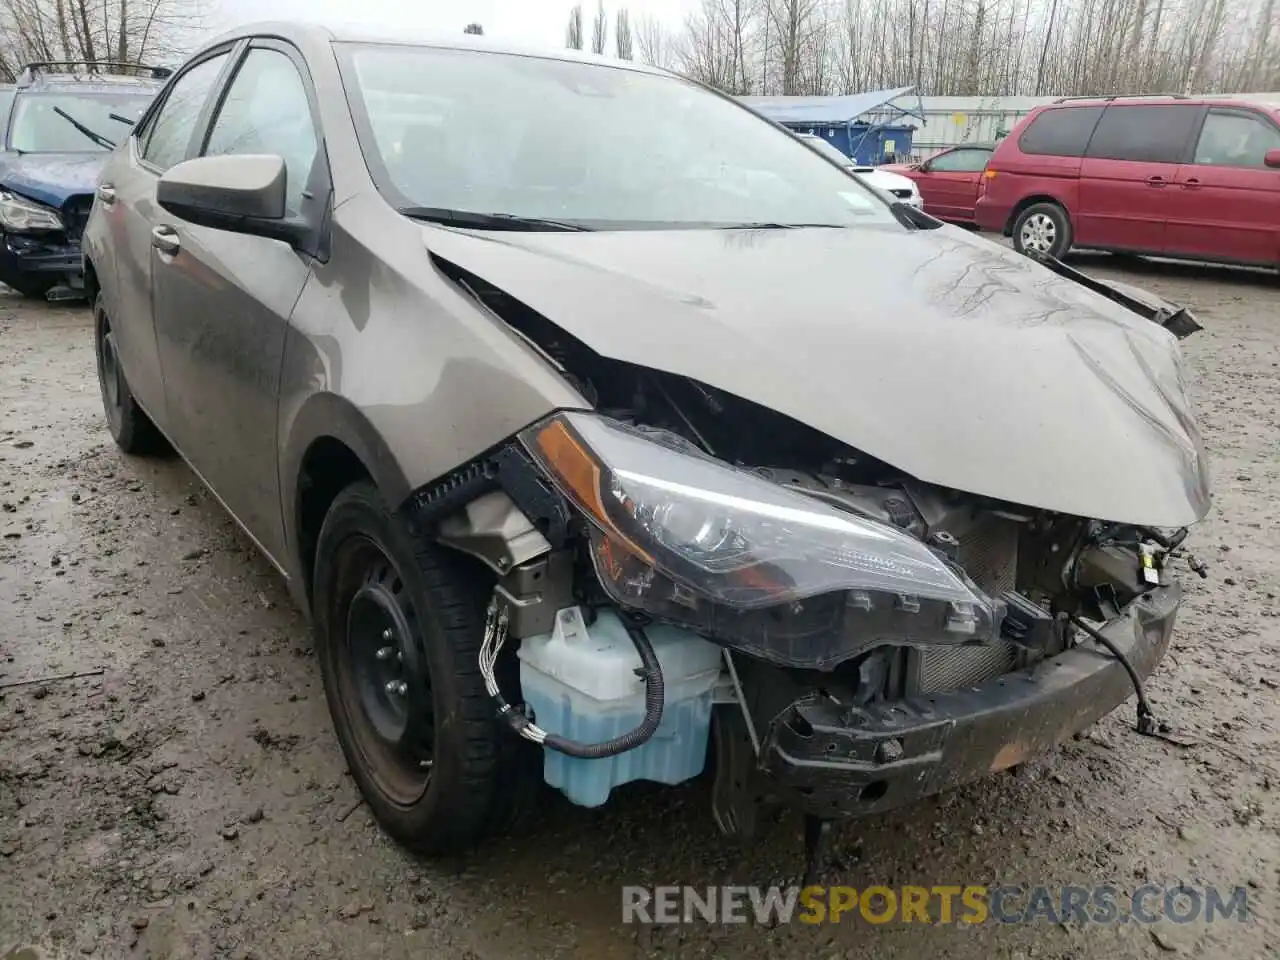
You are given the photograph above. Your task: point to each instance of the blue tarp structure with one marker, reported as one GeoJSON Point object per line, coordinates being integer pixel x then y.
{"type": "Point", "coordinates": [836, 120]}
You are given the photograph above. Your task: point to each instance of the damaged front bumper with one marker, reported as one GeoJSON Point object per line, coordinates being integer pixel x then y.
{"type": "Point", "coordinates": [832, 761]}
{"type": "Point", "coordinates": [44, 253]}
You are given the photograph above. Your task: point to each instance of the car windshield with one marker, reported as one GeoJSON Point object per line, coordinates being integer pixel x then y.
{"type": "Point", "coordinates": [828, 150]}
{"type": "Point", "coordinates": [38, 127]}
{"type": "Point", "coordinates": [581, 144]}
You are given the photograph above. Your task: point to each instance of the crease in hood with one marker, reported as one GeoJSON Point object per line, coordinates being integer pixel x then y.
{"type": "Point", "coordinates": [947, 356]}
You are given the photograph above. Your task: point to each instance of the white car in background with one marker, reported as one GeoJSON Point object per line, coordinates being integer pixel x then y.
{"type": "Point", "coordinates": [895, 184]}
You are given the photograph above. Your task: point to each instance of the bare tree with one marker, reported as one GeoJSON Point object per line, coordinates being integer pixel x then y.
{"type": "Point", "coordinates": [982, 48]}
{"type": "Point", "coordinates": [91, 31]}
{"type": "Point", "coordinates": [573, 33]}
{"type": "Point", "coordinates": [599, 29]}
{"type": "Point", "coordinates": [622, 34]}
{"type": "Point", "coordinates": [655, 44]}
{"type": "Point", "coordinates": [475, 29]}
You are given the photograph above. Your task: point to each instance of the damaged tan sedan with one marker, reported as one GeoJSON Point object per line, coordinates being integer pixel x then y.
{"type": "Point", "coordinates": [606, 432]}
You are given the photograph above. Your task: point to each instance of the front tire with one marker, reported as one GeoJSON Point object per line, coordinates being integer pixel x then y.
{"type": "Point", "coordinates": [130, 427]}
{"type": "Point", "coordinates": [398, 625]}
{"type": "Point", "coordinates": [1043, 228]}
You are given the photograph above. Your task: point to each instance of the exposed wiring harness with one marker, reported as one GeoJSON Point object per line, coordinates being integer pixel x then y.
{"type": "Point", "coordinates": [1147, 724]}
{"type": "Point", "coordinates": [495, 635]}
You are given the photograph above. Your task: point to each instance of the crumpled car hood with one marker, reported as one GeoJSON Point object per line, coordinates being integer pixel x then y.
{"type": "Point", "coordinates": [51, 178]}
{"type": "Point", "coordinates": [955, 360]}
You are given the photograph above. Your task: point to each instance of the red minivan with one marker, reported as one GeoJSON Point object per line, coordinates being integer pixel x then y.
{"type": "Point", "coordinates": [1197, 179]}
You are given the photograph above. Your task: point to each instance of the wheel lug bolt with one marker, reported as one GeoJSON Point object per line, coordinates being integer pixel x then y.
{"type": "Point", "coordinates": [387, 634]}
{"type": "Point", "coordinates": [397, 687]}
{"type": "Point", "coordinates": [384, 653]}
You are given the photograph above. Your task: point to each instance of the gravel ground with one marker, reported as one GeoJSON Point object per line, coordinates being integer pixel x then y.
{"type": "Point", "coordinates": [188, 798]}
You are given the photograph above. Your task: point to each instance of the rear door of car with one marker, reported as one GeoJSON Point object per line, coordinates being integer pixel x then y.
{"type": "Point", "coordinates": [1225, 204]}
{"type": "Point", "coordinates": [126, 203]}
{"type": "Point", "coordinates": [223, 299]}
{"type": "Point", "coordinates": [1128, 174]}
{"type": "Point", "coordinates": [949, 182]}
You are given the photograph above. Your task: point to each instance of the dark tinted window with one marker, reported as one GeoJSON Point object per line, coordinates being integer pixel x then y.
{"type": "Point", "coordinates": [1234, 138]}
{"type": "Point", "coordinates": [1152, 132]}
{"type": "Point", "coordinates": [171, 129]}
{"type": "Point", "coordinates": [1062, 132]}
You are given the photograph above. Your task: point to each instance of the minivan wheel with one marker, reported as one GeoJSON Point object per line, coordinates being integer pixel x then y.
{"type": "Point", "coordinates": [130, 427]}
{"type": "Point", "coordinates": [398, 625]}
{"type": "Point", "coordinates": [1043, 228]}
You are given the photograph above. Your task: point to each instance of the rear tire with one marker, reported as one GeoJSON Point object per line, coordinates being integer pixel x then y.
{"type": "Point", "coordinates": [130, 427]}
{"type": "Point", "coordinates": [1043, 228]}
{"type": "Point", "coordinates": [398, 625]}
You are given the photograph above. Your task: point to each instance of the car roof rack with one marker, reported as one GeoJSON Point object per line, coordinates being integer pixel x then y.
{"type": "Point", "coordinates": [1123, 96]}
{"type": "Point", "coordinates": [29, 70]}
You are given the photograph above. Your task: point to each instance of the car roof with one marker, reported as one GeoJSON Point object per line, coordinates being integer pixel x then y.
{"type": "Point", "coordinates": [88, 83]}
{"type": "Point", "coordinates": [299, 31]}
{"type": "Point", "coordinates": [1157, 100]}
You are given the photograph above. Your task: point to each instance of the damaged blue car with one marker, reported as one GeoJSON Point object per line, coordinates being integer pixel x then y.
{"type": "Point", "coordinates": [64, 119]}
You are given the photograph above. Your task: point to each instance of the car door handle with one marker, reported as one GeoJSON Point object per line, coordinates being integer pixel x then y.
{"type": "Point", "coordinates": [1156, 181]}
{"type": "Point", "coordinates": [165, 239]}
{"type": "Point", "coordinates": [1191, 184]}
{"type": "Point", "coordinates": [107, 194]}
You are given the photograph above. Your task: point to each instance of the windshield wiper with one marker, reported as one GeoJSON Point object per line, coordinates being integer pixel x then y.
{"type": "Point", "coordinates": [487, 221]}
{"type": "Point", "coordinates": [119, 119]}
{"type": "Point", "coordinates": [97, 138]}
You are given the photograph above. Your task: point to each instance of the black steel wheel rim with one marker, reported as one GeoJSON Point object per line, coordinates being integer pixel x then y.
{"type": "Point", "coordinates": [383, 680]}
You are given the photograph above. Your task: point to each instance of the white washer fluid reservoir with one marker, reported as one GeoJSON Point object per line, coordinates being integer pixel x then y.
{"type": "Point", "coordinates": [581, 683]}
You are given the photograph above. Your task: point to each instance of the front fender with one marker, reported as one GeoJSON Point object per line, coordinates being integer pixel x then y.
{"type": "Point", "coordinates": [327, 415]}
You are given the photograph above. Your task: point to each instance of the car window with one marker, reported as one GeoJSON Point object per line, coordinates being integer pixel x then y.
{"type": "Point", "coordinates": [1150, 133]}
{"type": "Point", "coordinates": [6, 101]}
{"type": "Point", "coordinates": [961, 161]}
{"type": "Point", "coordinates": [1232, 138]}
{"type": "Point", "coordinates": [42, 121]}
{"type": "Point", "coordinates": [266, 110]}
{"type": "Point", "coordinates": [172, 128]}
{"type": "Point", "coordinates": [1060, 132]}
{"type": "Point", "coordinates": [610, 148]}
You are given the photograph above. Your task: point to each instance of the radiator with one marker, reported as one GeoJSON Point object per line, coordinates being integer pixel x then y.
{"type": "Point", "coordinates": [989, 554]}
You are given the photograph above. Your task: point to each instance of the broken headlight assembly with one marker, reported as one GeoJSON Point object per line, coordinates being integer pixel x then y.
{"type": "Point", "coordinates": [691, 540]}
{"type": "Point", "coordinates": [19, 213]}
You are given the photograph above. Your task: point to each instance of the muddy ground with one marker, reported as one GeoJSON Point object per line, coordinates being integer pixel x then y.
{"type": "Point", "coordinates": [188, 799]}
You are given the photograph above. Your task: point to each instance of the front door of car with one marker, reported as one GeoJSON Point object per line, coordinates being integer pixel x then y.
{"type": "Point", "coordinates": [222, 299]}
{"type": "Point", "coordinates": [949, 182]}
{"type": "Point", "coordinates": [1128, 172]}
{"type": "Point", "coordinates": [1226, 201]}
{"type": "Point", "coordinates": [127, 202]}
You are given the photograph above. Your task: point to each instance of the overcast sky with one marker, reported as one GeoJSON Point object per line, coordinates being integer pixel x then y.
{"type": "Point", "coordinates": [527, 22]}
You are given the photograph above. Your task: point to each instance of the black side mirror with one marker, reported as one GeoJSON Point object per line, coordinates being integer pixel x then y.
{"type": "Point", "coordinates": [242, 193]}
